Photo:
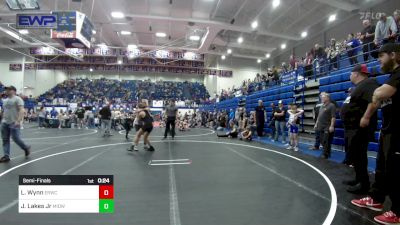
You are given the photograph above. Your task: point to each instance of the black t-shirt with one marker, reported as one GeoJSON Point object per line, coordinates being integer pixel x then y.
{"type": "Point", "coordinates": [80, 113]}
{"type": "Point", "coordinates": [260, 113]}
{"type": "Point", "coordinates": [390, 107]}
{"type": "Point", "coordinates": [370, 30]}
{"type": "Point", "coordinates": [360, 97]}
{"type": "Point", "coordinates": [280, 118]}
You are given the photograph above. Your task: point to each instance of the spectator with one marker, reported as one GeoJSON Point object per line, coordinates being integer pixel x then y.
{"type": "Point", "coordinates": [316, 109]}
{"type": "Point", "coordinates": [42, 117]}
{"type": "Point", "coordinates": [280, 122]}
{"type": "Point", "coordinates": [260, 118]}
{"type": "Point", "coordinates": [326, 124]}
{"type": "Point", "coordinates": [367, 38]}
{"type": "Point", "coordinates": [386, 30]}
{"type": "Point", "coordinates": [105, 114]}
{"type": "Point", "coordinates": [352, 48]}
{"type": "Point", "coordinates": [271, 123]}
{"type": "Point", "coordinates": [320, 59]}
{"type": "Point", "coordinates": [359, 137]}
{"type": "Point", "coordinates": [332, 55]}
{"type": "Point", "coordinates": [396, 16]}
{"type": "Point", "coordinates": [246, 135]}
{"type": "Point", "coordinates": [346, 118]}
{"type": "Point", "coordinates": [232, 133]}
{"type": "Point", "coordinates": [53, 113]}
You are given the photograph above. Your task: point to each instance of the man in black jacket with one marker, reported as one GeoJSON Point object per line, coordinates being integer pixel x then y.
{"type": "Point", "coordinates": [105, 116]}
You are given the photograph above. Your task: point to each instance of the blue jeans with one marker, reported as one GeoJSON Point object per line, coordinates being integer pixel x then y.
{"type": "Point", "coordinates": [280, 125]}
{"type": "Point", "coordinates": [41, 121]}
{"type": "Point", "coordinates": [10, 130]}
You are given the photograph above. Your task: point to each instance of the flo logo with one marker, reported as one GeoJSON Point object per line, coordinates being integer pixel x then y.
{"type": "Point", "coordinates": [370, 15]}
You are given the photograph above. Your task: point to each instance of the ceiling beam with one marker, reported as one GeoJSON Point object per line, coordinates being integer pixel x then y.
{"type": "Point", "coordinates": [215, 9]}
{"type": "Point", "coordinates": [346, 6]}
{"type": "Point", "coordinates": [220, 25]}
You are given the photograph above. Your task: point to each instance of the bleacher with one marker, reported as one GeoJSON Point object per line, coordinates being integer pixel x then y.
{"type": "Point", "coordinates": [228, 105]}
{"type": "Point", "coordinates": [336, 85]}
{"type": "Point", "coordinates": [273, 95]}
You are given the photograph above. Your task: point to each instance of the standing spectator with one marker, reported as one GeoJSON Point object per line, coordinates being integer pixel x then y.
{"type": "Point", "coordinates": [352, 48]}
{"type": "Point", "coordinates": [388, 161]}
{"type": "Point", "coordinates": [89, 118]}
{"type": "Point", "coordinates": [320, 59]}
{"type": "Point", "coordinates": [326, 124]}
{"type": "Point", "coordinates": [42, 116]}
{"type": "Point", "coordinates": [53, 113]}
{"type": "Point", "coordinates": [171, 112]}
{"type": "Point", "coordinates": [260, 118]}
{"type": "Point", "coordinates": [347, 119]}
{"type": "Point", "coordinates": [105, 114]}
{"type": "Point", "coordinates": [80, 114]}
{"type": "Point", "coordinates": [386, 30]}
{"type": "Point", "coordinates": [60, 118]}
{"type": "Point", "coordinates": [280, 122]}
{"type": "Point", "coordinates": [12, 117]}
{"type": "Point", "coordinates": [396, 16]}
{"type": "Point", "coordinates": [271, 123]}
{"type": "Point", "coordinates": [367, 38]}
{"type": "Point", "coordinates": [359, 137]}
{"type": "Point", "coordinates": [332, 55]}
{"type": "Point", "coordinates": [316, 109]}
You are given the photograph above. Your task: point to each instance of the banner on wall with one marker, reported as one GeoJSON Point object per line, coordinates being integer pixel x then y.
{"type": "Point", "coordinates": [130, 53]}
{"type": "Point", "coordinates": [126, 68]}
{"type": "Point", "coordinates": [289, 77]}
{"type": "Point", "coordinates": [15, 67]}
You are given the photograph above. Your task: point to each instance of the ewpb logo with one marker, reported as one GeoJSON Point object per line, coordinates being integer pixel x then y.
{"type": "Point", "coordinates": [36, 21]}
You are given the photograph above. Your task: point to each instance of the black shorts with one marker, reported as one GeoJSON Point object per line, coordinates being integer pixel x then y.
{"type": "Point", "coordinates": [147, 129]}
{"type": "Point", "coordinates": [137, 127]}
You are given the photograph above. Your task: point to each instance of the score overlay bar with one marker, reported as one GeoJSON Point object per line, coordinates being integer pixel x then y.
{"type": "Point", "coordinates": [66, 194]}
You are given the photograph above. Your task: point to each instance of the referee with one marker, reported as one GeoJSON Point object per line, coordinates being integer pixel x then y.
{"type": "Point", "coordinates": [359, 137]}
{"type": "Point", "coordinates": [171, 113]}
{"type": "Point", "coordinates": [388, 161]}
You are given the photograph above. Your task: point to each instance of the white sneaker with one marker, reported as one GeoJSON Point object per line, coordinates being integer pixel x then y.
{"type": "Point", "coordinates": [296, 149]}
{"type": "Point", "coordinates": [289, 148]}
{"type": "Point", "coordinates": [287, 144]}
{"type": "Point", "coordinates": [146, 147]}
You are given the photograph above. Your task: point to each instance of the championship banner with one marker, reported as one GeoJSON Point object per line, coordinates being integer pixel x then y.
{"type": "Point", "coordinates": [129, 53]}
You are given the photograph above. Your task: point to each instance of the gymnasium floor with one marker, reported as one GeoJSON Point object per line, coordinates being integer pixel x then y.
{"type": "Point", "coordinates": [227, 181]}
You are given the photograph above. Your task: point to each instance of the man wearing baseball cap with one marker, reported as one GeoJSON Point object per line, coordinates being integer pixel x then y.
{"type": "Point", "coordinates": [359, 137]}
{"type": "Point", "coordinates": [387, 172]}
{"type": "Point", "coordinates": [11, 123]}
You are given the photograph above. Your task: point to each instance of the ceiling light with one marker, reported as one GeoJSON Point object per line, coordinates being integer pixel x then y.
{"type": "Point", "coordinates": [332, 18]}
{"type": "Point", "coordinates": [276, 3]}
{"type": "Point", "coordinates": [132, 46]}
{"type": "Point", "coordinates": [102, 45]}
{"type": "Point", "coordinates": [223, 57]}
{"type": "Point", "coordinates": [117, 15]}
{"type": "Point", "coordinates": [94, 32]}
{"type": "Point", "coordinates": [283, 46]}
{"type": "Point", "coordinates": [254, 24]}
{"type": "Point", "coordinates": [267, 55]}
{"type": "Point", "coordinates": [91, 70]}
{"type": "Point", "coordinates": [304, 34]}
{"type": "Point", "coordinates": [23, 31]}
{"type": "Point", "coordinates": [240, 40]}
{"type": "Point", "coordinates": [229, 51]}
{"type": "Point", "coordinates": [194, 38]}
{"type": "Point", "coordinates": [259, 60]}
{"type": "Point", "coordinates": [119, 61]}
{"type": "Point", "coordinates": [159, 34]}
{"type": "Point", "coordinates": [124, 32]}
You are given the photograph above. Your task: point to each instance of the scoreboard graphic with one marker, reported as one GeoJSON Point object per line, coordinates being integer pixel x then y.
{"type": "Point", "coordinates": [66, 194]}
